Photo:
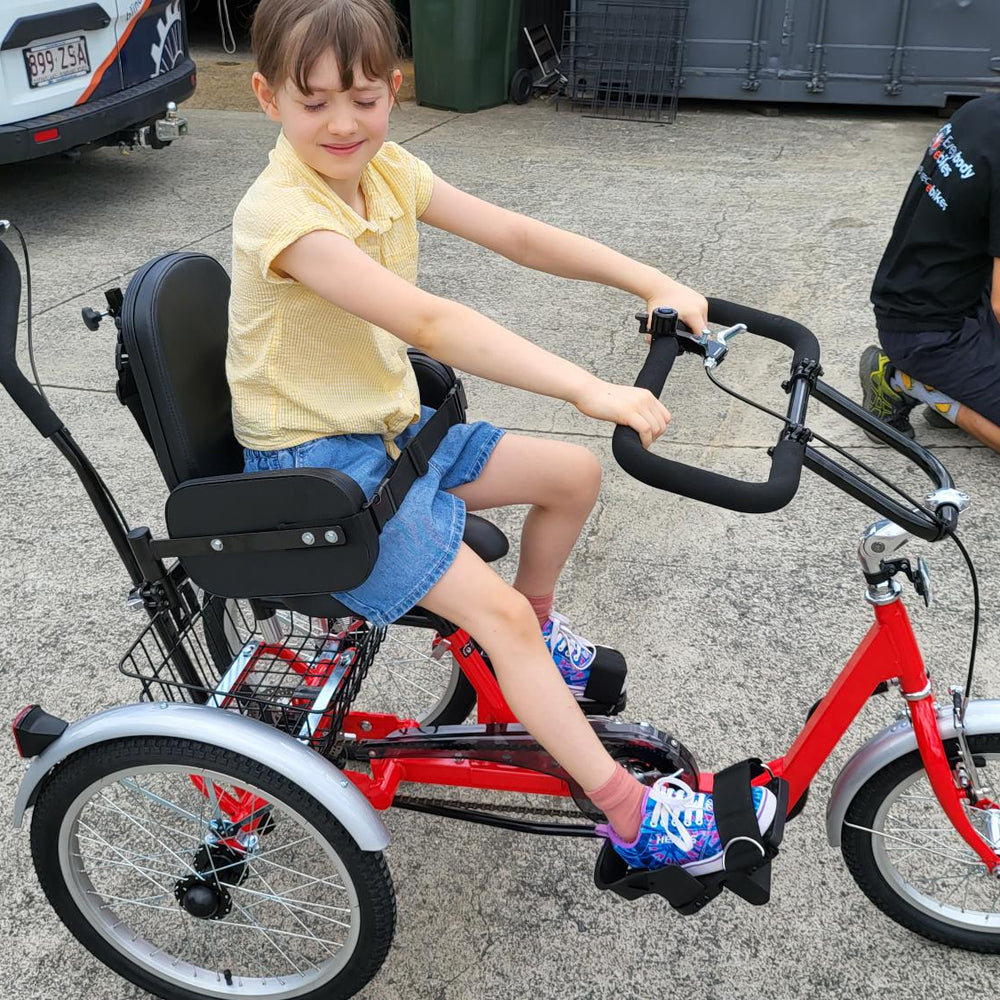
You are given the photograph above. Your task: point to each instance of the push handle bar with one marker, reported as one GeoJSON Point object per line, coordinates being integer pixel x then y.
{"type": "Point", "coordinates": [700, 484]}
{"type": "Point", "coordinates": [27, 397]}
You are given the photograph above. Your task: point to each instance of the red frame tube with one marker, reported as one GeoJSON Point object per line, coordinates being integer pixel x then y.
{"type": "Point", "coordinates": [888, 652]}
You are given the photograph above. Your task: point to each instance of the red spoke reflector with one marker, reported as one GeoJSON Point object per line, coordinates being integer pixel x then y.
{"type": "Point", "coordinates": [46, 135]}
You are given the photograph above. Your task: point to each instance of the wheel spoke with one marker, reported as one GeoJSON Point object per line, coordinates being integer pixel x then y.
{"type": "Point", "coordinates": [924, 862]}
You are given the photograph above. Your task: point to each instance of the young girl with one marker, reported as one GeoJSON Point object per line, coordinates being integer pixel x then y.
{"type": "Point", "coordinates": [323, 307]}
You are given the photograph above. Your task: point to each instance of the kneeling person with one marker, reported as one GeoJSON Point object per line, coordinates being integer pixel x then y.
{"type": "Point", "coordinates": [937, 290]}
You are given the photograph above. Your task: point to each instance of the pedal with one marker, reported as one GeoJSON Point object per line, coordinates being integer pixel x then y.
{"type": "Point", "coordinates": [747, 858]}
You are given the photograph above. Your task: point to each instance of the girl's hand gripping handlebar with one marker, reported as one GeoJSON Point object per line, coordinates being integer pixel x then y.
{"type": "Point", "coordinates": [787, 456]}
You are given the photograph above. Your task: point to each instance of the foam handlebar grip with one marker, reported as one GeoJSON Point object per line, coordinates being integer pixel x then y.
{"type": "Point", "coordinates": [700, 484]}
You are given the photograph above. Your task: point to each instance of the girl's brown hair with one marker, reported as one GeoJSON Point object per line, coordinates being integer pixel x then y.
{"type": "Point", "coordinates": [289, 36]}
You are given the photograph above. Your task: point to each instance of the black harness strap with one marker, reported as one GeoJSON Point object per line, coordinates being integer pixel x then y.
{"type": "Point", "coordinates": [413, 460]}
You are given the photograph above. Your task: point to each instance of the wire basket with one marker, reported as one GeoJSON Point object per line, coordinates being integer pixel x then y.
{"type": "Point", "coordinates": [295, 673]}
{"type": "Point", "coordinates": [624, 60]}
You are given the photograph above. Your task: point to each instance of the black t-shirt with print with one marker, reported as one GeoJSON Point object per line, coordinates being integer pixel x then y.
{"type": "Point", "coordinates": [939, 260]}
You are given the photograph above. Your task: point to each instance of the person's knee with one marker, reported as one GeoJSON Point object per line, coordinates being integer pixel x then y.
{"type": "Point", "coordinates": [509, 618]}
{"type": "Point", "coordinates": [583, 481]}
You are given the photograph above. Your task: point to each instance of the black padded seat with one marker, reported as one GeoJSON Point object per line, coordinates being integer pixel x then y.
{"type": "Point", "coordinates": [174, 330]}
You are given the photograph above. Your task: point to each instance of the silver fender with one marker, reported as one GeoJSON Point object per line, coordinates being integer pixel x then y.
{"type": "Point", "coordinates": [285, 754]}
{"type": "Point", "coordinates": [889, 745]}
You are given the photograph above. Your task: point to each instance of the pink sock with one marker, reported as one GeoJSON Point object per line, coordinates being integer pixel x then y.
{"type": "Point", "coordinates": [541, 606]}
{"type": "Point", "coordinates": [620, 798]}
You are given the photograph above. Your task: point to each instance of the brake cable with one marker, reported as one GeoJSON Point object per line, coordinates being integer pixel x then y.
{"type": "Point", "coordinates": [896, 489]}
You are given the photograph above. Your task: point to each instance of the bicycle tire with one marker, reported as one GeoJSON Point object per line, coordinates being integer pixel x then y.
{"type": "Point", "coordinates": [869, 855]}
{"type": "Point", "coordinates": [134, 771]}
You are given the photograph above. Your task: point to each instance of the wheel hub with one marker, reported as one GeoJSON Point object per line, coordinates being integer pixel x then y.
{"type": "Point", "coordinates": [202, 899]}
{"type": "Point", "coordinates": [205, 893]}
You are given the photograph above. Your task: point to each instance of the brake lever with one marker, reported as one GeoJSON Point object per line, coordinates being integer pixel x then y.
{"type": "Point", "coordinates": [713, 348]}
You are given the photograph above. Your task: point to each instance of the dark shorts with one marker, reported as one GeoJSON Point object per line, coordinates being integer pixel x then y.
{"type": "Point", "coordinates": [962, 363]}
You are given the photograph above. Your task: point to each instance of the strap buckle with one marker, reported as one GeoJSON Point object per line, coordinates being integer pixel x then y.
{"type": "Point", "coordinates": [382, 505]}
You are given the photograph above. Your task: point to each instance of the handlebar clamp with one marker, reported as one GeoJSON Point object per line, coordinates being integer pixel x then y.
{"type": "Point", "coordinates": [807, 369]}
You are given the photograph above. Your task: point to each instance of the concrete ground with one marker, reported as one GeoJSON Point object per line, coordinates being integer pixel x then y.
{"type": "Point", "coordinates": [732, 624]}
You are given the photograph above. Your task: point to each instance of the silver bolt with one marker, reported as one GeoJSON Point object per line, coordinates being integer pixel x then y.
{"type": "Point", "coordinates": [217, 544]}
{"type": "Point", "coordinates": [878, 546]}
{"type": "Point", "coordinates": [366, 726]}
{"type": "Point", "coordinates": [331, 537]}
{"type": "Point", "coordinates": [308, 537]}
{"type": "Point", "coordinates": [371, 753]}
{"type": "Point", "coordinates": [344, 782]}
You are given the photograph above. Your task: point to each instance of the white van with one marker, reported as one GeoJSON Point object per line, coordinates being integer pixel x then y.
{"type": "Point", "coordinates": [91, 72]}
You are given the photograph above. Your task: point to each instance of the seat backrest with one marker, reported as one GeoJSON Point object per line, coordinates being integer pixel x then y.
{"type": "Point", "coordinates": [174, 329]}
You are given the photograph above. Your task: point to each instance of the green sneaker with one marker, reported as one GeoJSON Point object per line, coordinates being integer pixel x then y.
{"type": "Point", "coordinates": [879, 398]}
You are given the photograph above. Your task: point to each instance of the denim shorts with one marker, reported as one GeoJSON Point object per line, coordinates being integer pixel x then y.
{"type": "Point", "coordinates": [420, 541]}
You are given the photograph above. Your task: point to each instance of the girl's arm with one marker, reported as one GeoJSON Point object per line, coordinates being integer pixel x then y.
{"type": "Point", "coordinates": [545, 248]}
{"type": "Point", "coordinates": [332, 266]}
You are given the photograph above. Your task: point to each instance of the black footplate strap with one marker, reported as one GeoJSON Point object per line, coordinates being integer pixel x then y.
{"type": "Point", "coordinates": [606, 683]}
{"type": "Point", "coordinates": [746, 853]}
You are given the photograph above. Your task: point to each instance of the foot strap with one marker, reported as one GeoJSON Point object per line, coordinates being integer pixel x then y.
{"type": "Point", "coordinates": [606, 682]}
{"type": "Point", "coordinates": [747, 854]}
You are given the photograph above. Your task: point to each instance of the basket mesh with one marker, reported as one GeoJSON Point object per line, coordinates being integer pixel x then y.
{"type": "Point", "coordinates": [295, 673]}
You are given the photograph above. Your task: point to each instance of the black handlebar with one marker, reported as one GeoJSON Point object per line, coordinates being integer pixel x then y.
{"type": "Point", "coordinates": [711, 487]}
{"type": "Point", "coordinates": [12, 378]}
{"type": "Point", "coordinates": [791, 450]}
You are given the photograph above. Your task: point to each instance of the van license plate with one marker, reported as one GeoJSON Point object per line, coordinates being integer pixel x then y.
{"type": "Point", "coordinates": [56, 61]}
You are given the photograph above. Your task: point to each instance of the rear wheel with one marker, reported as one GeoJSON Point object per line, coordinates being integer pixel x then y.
{"type": "Point", "coordinates": [909, 861]}
{"type": "Point", "coordinates": [151, 875]}
{"type": "Point", "coordinates": [416, 676]}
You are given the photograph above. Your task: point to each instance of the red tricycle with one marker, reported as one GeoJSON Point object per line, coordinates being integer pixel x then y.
{"type": "Point", "coordinates": [222, 836]}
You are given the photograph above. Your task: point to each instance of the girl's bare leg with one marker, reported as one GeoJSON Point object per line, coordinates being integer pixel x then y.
{"type": "Point", "coordinates": [560, 481]}
{"type": "Point", "coordinates": [472, 596]}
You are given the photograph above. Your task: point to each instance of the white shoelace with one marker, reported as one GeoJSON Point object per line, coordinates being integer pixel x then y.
{"type": "Point", "coordinates": [675, 800]}
{"type": "Point", "coordinates": [575, 644]}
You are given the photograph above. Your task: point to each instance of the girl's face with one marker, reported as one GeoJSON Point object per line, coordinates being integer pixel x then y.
{"type": "Point", "coordinates": [334, 131]}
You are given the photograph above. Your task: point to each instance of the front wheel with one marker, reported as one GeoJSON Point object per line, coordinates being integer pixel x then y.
{"type": "Point", "coordinates": [195, 873]}
{"type": "Point", "coordinates": [908, 860]}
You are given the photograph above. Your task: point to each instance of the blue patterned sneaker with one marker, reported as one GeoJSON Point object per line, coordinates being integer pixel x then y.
{"type": "Point", "coordinates": [678, 828]}
{"type": "Point", "coordinates": [573, 654]}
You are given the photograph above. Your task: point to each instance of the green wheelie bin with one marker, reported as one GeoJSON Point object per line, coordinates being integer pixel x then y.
{"type": "Point", "coordinates": [464, 51]}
